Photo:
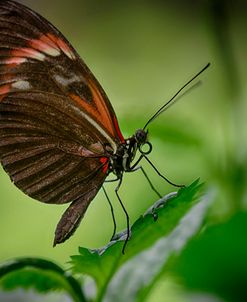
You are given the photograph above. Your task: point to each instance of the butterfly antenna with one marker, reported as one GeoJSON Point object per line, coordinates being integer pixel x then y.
{"type": "Point", "coordinates": [170, 102]}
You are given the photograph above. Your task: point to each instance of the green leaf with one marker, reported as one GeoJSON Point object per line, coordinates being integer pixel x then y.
{"type": "Point", "coordinates": [103, 264]}
{"type": "Point", "coordinates": [141, 270]}
{"type": "Point", "coordinates": [216, 261]}
{"type": "Point", "coordinates": [40, 274]}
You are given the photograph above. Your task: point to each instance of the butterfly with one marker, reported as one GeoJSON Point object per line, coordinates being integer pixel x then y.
{"type": "Point", "coordinates": [59, 134]}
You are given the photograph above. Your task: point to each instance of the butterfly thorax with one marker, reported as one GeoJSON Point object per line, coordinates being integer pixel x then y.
{"type": "Point", "coordinates": [122, 160]}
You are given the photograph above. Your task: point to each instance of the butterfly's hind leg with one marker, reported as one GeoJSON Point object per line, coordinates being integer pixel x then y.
{"type": "Point", "coordinates": [125, 211]}
{"type": "Point", "coordinates": [112, 213]}
{"type": "Point", "coordinates": [155, 215]}
{"type": "Point", "coordinates": [135, 168]}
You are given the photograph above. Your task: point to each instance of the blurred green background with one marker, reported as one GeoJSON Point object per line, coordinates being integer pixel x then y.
{"type": "Point", "coordinates": [142, 52]}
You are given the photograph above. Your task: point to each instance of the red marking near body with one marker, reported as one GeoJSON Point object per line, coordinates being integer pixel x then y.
{"type": "Point", "coordinates": [118, 129]}
{"type": "Point", "coordinates": [104, 161]}
{"type": "Point", "coordinates": [4, 89]}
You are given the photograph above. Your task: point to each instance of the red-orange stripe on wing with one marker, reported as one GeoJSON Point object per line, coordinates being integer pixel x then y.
{"type": "Point", "coordinates": [118, 129]}
{"type": "Point", "coordinates": [4, 89]}
{"type": "Point", "coordinates": [102, 113]}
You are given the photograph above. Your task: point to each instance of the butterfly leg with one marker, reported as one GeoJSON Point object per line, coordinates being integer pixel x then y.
{"type": "Point", "coordinates": [155, 215]}
{"type": "Point", "coordinates": [125, 211]}
{"type": "Point", "coordinates": [149, 181]}
{"type": "Point", "coordinates": [135, 168]}
{"type": "Point", "coordinates": [112, 213]}
{"type": "Point", "coordinates": [156, 170]}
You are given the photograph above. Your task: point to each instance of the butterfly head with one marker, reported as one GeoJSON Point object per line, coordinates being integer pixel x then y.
{"type": "Point", "coordinates": [142, 143]}
{"type": "Point", "coordinates": [141, 136]}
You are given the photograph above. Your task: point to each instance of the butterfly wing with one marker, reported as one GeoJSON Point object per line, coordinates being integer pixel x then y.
{"type": "Point", "coordinates": [37, 152]}
{"type": "Point", "coordinates": [55, 119]}
{"type": "Point", "coordinates": [36, 56]}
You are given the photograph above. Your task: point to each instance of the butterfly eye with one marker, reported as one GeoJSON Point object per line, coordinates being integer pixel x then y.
{"type": "Point", "coordinates": [141, 136]}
